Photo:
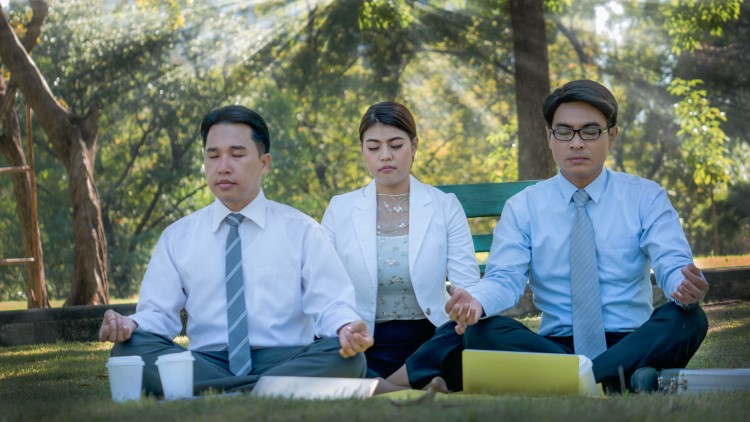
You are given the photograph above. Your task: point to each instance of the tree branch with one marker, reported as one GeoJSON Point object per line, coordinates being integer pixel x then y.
{"type": "Point", "coordinates": [583, 58]}
{"type": "Point", "coordinates": [40, 12]}
{"type": "Point", "coordinates": [176, 205]}
{"type": "Point", "coordinates": [33, 29]}
{"type": "Point", "coordinates": [25, 72]}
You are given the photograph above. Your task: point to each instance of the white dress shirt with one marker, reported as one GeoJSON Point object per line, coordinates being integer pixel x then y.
{"type": "Point", "coordinates": [635, 229]}
{"type": "Point", "coordinates": [295, 286]}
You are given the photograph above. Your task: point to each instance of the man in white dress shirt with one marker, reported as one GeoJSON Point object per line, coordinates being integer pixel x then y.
{"type": "Point", "coordinates": [298, 297]}
{"type": "Point", "coordinates": [635, 229]}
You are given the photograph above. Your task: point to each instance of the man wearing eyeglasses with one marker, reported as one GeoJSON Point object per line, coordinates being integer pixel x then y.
{"type": "Point", "coordinates": [586, 240]}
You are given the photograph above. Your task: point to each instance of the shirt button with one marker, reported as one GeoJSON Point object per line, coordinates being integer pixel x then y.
{"type": "Point", "coordinates": [428, 311]}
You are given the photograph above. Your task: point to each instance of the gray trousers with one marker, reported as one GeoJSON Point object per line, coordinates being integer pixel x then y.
{"type": "Point", "coordinates": [211, 369]}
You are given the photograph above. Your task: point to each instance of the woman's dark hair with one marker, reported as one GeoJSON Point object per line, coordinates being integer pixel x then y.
{"type": "Point", "coordinates": [238, 114]}
{"type": "Point", "coordinates": [390, 114]}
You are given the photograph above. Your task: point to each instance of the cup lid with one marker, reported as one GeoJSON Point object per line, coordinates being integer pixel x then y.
{"type": "Point", "coordinates": [584, 364]}
{"type": "Point", "coordinates": [124, 361]}
{"type": "Point", "coordinates": [175, 357]}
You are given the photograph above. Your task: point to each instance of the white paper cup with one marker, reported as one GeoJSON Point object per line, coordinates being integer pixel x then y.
{"type": "Point", "coordinates": [176, 373]}
{"type": "Point", "coordinates": [125, 377]}
{"type": "Point", "coordinates": [586, 382]}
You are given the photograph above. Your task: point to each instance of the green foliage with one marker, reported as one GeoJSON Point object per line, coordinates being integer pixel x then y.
{"type": "Point", "coordinates": [383, 14]}
{"type": "Point", "coordinates": [174, 9]}
{"type": "Point", "coordinates": [12, 285]}
{"type": "Point", "coordinates": [344, 65]}
{"type": "Point", "coordinates": [149, 156]}
{"type": "Point", "coordinates": [557, 6]}
{"type": "Point", "coordinates": [688, 21]}
{"type": "Point", "coordinates": [312, 68]}
{"type": "Point", "coordinates": [704, 142]}
{"type": "Point", "coordinates": [732, 208]}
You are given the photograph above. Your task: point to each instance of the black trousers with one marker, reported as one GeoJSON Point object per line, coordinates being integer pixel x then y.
{"type": "Point", "coordinates": [669, 338]}
{"type": "Point", "coordinates": [426, 351]}
{"type": "Point", "coordinates": [395, 341]}
{"type": "Point", "coordinates": [438, 356]}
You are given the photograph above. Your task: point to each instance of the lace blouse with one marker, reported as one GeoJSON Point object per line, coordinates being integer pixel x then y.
{"type": "Point", "coordinates": [396, 298]}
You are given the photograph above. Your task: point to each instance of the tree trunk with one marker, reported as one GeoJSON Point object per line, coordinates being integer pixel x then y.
{"type": "Point", "coordinates": [73, 139]}
{"type": "Point", "coordinates": [532, 85]}
{"type": "Point", "coordinates": [714, 224]}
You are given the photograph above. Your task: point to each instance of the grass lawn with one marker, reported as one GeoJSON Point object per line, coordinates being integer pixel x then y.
{"type": "Point", "coordinates": [68, 381]}
{"type": "Point", "coordinates": [18, 305]}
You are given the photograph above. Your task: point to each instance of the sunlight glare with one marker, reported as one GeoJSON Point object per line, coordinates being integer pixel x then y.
{"type": "Point", "coordinates": [606, 26]}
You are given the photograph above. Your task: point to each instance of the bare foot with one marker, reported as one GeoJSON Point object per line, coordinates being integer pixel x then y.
{"type": "Point", "coordinates": [438, 385]}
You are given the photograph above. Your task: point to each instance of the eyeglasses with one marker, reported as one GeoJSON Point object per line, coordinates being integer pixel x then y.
{"type": "Point", "coordinates": [586, 134]}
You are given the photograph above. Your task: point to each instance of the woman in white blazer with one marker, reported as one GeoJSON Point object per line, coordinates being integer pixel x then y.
{"type": "Point", "coordinates": [400, 240]}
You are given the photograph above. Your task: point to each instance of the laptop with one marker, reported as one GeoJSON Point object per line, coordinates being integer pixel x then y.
{"type": "Point", "coordinates": [314, 387]}
{"type": "Point", "coordinates": [495, 372]}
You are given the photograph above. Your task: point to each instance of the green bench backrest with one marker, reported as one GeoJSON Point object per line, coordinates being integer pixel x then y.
{"type": "Point", "coordinates": [485, 200]}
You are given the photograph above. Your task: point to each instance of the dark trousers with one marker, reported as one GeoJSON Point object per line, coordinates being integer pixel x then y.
{"type": "Point", "coordinates": [394, 342]}
{"type": "Point", "coordinates": [669, 338]}
{"type": "Point", "coordinates": [438, 356]}
{"type": "Point", "coordinates": [211, 369]}
{"type": "Point", "coordinates": [426, 351]}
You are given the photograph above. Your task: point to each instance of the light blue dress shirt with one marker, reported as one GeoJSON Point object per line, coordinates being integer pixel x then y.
{"type": "Point", "coordinates": [636, 228]}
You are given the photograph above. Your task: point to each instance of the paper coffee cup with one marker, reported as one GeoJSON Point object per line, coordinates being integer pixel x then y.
{"type": "Point", "coordinates": [125, 377]}
{"type": "Point", "coordinates": [586, 383]}
{"type": "Point", "coordinates": [176, 373]}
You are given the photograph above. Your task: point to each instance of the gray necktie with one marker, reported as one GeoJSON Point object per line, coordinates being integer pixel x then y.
{"type": "Point", "coordinates": [588, 328]}
{"type": "Point", "coordinates": [239, 346]}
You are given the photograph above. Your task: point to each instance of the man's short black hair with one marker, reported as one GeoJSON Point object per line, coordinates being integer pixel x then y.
{"type": "Point", "coordinates": [586, 91]}
{"type": "Point", "coordinates": [238, 114]}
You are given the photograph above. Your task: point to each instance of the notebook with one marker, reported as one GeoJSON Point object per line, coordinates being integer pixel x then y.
{"type": "Point", "coordinates": [314, 388]}
{"type": "Point", "coordinates": [494, 372]}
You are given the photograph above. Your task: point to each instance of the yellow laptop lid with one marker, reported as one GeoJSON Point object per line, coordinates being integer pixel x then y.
{"type": "Point", "coordinates": [494, 372]}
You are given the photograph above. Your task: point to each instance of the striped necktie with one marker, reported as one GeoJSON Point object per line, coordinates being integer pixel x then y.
{"type": "Point", "coordinates": [588, 328]}
{"type": "Point", "coordinates": [239, 346]}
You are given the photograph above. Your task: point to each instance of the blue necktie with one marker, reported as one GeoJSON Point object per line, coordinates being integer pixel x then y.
{"type": "Point", "coordinates": [588, 328]}
{"type": "Point", "coordinates": [239, 346]}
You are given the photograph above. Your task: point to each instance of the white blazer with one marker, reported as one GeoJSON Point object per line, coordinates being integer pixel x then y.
{"type": "Point", "coordinates": [440, 246]}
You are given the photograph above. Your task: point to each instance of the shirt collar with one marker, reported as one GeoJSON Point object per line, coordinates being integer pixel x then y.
{"type": "Point", "coordinates": [594, 189]}
{"type": "Point", "coordinates": [255, 211]}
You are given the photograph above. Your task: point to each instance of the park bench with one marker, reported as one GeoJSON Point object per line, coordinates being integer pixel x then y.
{"type": "Point", "coordinates": [483, 204]}
{"type": "Point", "coordinates": [482, 200]}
